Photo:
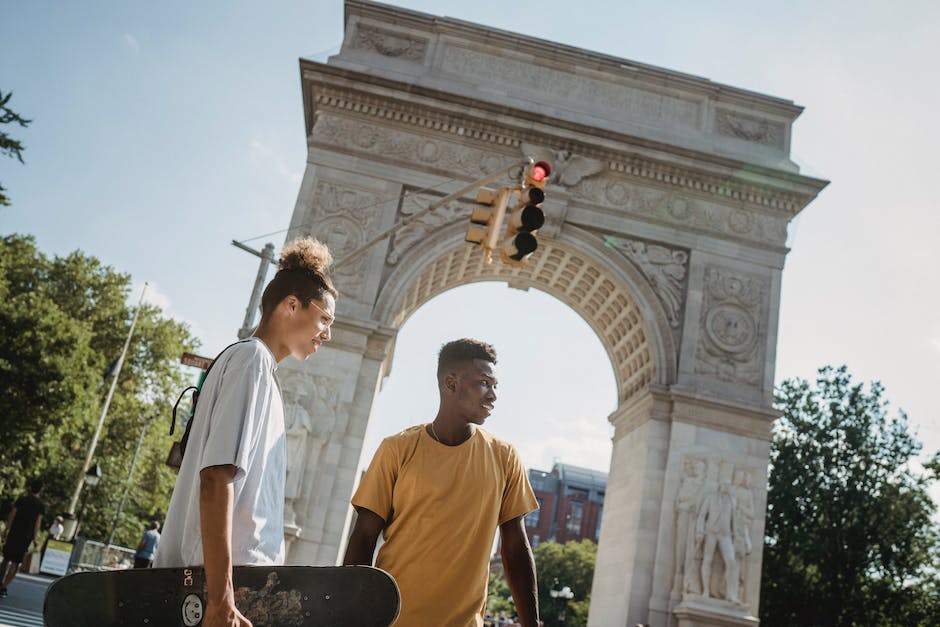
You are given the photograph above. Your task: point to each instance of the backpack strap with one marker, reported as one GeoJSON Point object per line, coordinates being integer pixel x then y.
{"type": "Point", "coordinates": [196, 389]}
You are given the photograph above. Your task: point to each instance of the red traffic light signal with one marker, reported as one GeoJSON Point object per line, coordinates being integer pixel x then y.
{"type": "Point", "coordinates": [541, 171]}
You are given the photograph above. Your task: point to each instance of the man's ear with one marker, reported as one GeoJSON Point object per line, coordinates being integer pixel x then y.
{"type": "Point", "coordinates": [450, 382]}
{"type": "Point", "coordinates": [291, 303]}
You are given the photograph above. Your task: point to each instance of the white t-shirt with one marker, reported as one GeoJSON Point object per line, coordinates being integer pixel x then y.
{"type": "Point", "coordinates": [240, 421]}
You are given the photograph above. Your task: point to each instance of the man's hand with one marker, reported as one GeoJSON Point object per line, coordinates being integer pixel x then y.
{"type": "Point", "coordinates": [224, 614]}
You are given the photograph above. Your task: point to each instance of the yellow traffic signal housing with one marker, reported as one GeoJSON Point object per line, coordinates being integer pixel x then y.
{"type": "Point", "coordinates": [487, 219]}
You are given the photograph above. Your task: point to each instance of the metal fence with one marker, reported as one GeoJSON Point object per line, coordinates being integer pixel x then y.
{"type": "Point", "coordinates": [91, 555]}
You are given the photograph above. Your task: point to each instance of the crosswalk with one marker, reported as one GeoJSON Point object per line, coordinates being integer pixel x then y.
{"type": "Point", "coordinates": [11, 617]}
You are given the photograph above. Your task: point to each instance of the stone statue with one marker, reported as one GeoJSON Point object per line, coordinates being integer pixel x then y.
{"type": "Point", "coordinates": [715, 527]}
{"type": "Point", "coordinates": [687, 501]}
{"type": "Point", "coordinates": [742, 536]}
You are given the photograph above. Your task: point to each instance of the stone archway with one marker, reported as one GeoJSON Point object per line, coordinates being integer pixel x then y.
{"type": "Point", "coordinates": [666, 230]}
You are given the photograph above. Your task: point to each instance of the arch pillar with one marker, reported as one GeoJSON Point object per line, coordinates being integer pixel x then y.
{"type": "Point", "coordinates": [672, 449]}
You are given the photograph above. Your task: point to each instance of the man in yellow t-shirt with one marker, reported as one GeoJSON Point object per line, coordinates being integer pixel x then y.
{"type": "Point", "coordinates": [438, 492]}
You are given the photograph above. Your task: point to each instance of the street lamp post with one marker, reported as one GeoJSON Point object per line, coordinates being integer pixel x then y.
{"type": "Point", "coordinates": [91, 479]}
{"type": "Point", "coordinates": [564, 594]}
{"type": "Point", "coordinates": [107, 404]}
{"type": "Point", "coordinates": [127, 484]}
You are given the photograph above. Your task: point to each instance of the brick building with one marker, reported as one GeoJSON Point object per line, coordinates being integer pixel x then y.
{"type": "Point", "coordinates": [571, 504]}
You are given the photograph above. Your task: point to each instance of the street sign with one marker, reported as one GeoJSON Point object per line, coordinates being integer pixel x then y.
{"type": "Point", "coordinates": [197, 361]}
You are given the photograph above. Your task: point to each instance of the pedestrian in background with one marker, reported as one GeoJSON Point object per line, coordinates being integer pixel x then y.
{"type": "Point", "coordinates": [23, 524]}
{"type": "Point", "coordinates": [143, 558]}
{"type": "Point", "coordinates": [56, 528]}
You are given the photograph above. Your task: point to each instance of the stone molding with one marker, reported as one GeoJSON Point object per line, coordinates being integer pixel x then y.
{"type": "Point", "coordinates": [685, 180]}
{"type": "Point", "coordinates": [730, 347]}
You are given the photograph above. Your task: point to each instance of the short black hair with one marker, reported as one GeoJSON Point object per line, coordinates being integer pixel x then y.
{"type": "Point", "coordinates": [463, 350]}
{"type": "Point", "coordinates": [35, 486]}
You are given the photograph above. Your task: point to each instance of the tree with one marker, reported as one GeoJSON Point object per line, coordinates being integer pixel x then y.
{"type": "Point", "coordinates": [9, 146]}
{"type": "Point", "coordinates": [849, 535]}
{"type": "Point", "coordinates": [559, 565]}
{"type": "Point", "coordinates": [64, 321]}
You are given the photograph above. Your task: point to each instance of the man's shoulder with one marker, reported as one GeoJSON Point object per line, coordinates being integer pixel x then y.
{"type": "Point", "coordinates": [250, 351]}
{"type": "Point", "coordinates": [403, 437]}
{"type": "Point", "coordinates": [495, 441]}
{"type": "Point", "coordinates": [247, 355]}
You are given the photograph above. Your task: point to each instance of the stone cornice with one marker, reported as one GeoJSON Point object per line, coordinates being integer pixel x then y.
{"type": "Point", "coordinates": [772, 191]}
{"type": "Point", "coordinates": [562, 53]}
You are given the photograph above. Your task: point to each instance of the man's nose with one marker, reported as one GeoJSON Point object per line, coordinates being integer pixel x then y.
{"type": "Point", "coordinates": [326, 335]}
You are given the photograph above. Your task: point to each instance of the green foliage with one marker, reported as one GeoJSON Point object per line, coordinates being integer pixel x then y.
{"type": "Point", "coordinates": [8, 146]}
{"type": "Point", "coordinates": [559, 565]}
{"type": "Point", "coordinates": [65, 320]}
{"type": "Point", "coordinates": [498, 598]}
{"type": "Point", "coordinates": [849, 536]}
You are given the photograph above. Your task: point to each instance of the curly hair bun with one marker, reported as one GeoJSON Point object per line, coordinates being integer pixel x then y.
{"type": "Point", "coordinates": [306, 254]}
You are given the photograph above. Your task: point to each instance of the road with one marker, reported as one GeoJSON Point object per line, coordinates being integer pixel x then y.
{"type": "Point", "coordinates": [23, 607]}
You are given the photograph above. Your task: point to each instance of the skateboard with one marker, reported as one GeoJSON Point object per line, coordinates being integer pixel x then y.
{"type": "Point", "coordinates": [269, 596]}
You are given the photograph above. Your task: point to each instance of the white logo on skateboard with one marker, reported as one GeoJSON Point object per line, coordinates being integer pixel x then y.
{"type": "Point", "coordinates": [192, 610]}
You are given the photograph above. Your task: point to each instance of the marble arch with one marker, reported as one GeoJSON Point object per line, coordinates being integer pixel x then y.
{"type": "Point", "coordinates": [666, 230]}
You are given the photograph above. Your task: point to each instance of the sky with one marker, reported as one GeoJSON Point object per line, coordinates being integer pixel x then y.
{"type": "Point", "coordinates": [163, 130]}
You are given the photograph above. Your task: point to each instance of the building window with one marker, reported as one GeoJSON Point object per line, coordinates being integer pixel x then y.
{"type": "Point", "coordinates": [597, 529]}
{"type": "Point", "coordinates": [532, 518]}
{"type": "Point", "coordinates": [575, 514]}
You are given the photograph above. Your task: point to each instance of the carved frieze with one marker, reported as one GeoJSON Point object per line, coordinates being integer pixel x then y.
{"type": "Point", "coordinates": [389, 44]}
{"type": "Point", "coordinates": [749, 128]}
{"type": "Point", "coordinates": [411, 148]}
{"type": "Point", "coordinates": [664, 268]}
{"type": "Point", "coordinates": [609, 190]}
{"type": "Point", "coordinates": [631, 102]}
{"type": "Point", "coordinates": [713, 531]}
{"type": "Point", "coordinates": [731, 341]}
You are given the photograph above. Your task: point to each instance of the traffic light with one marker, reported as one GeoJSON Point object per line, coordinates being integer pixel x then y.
{"type": "Point", "coordinates": [486, 220]}
{"type": "Point", "coordinates": [527, 216]}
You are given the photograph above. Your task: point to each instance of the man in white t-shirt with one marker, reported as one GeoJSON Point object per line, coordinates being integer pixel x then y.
{"type": "Point", "coordinates": [227, 507]}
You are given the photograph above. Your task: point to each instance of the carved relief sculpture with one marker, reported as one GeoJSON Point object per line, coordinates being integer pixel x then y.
{"type": "Point", "coordinates": [664, 268]}
{"type": "Point", "coordinates": [687, 504]}
{"type": "Point", "coordinates": [567, 168]}
{"type": "Point", "coordinates": [745, 519]}
{"type": "Point", "coordinates": [715, 529]}
{"type": "Point", "coordinates": [389, 44]}
{"type": "Point", "coordinates": [730, 346]}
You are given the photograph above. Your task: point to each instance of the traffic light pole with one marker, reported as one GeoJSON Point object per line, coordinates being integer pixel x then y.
{"type": "Point", "coordinates": [460, 193]}
{"type": "Point", "coordinates": [268, 256]}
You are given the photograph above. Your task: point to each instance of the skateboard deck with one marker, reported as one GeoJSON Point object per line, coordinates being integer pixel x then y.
{"type": "Point", "coordinates": [269, 596]}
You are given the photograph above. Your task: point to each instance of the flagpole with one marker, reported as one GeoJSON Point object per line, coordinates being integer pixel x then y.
{"type": "Point", "coordinates": [107, 403]}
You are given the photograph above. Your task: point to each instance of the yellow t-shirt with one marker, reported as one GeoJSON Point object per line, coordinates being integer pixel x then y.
{"type": "Point", "coordinates": [442, 506]}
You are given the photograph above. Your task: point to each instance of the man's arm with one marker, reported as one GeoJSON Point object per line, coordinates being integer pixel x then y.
{"type": "Point", "coordinates": [216, 496]}
{"type": "Point", "coordinates": [37, 527]}
{"type": "Point", "coordinates": [519, 566]}
{"type": "Point", "coordinates": [365, 534]}
{"type": "Point", "coordinates": [9, 521]}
